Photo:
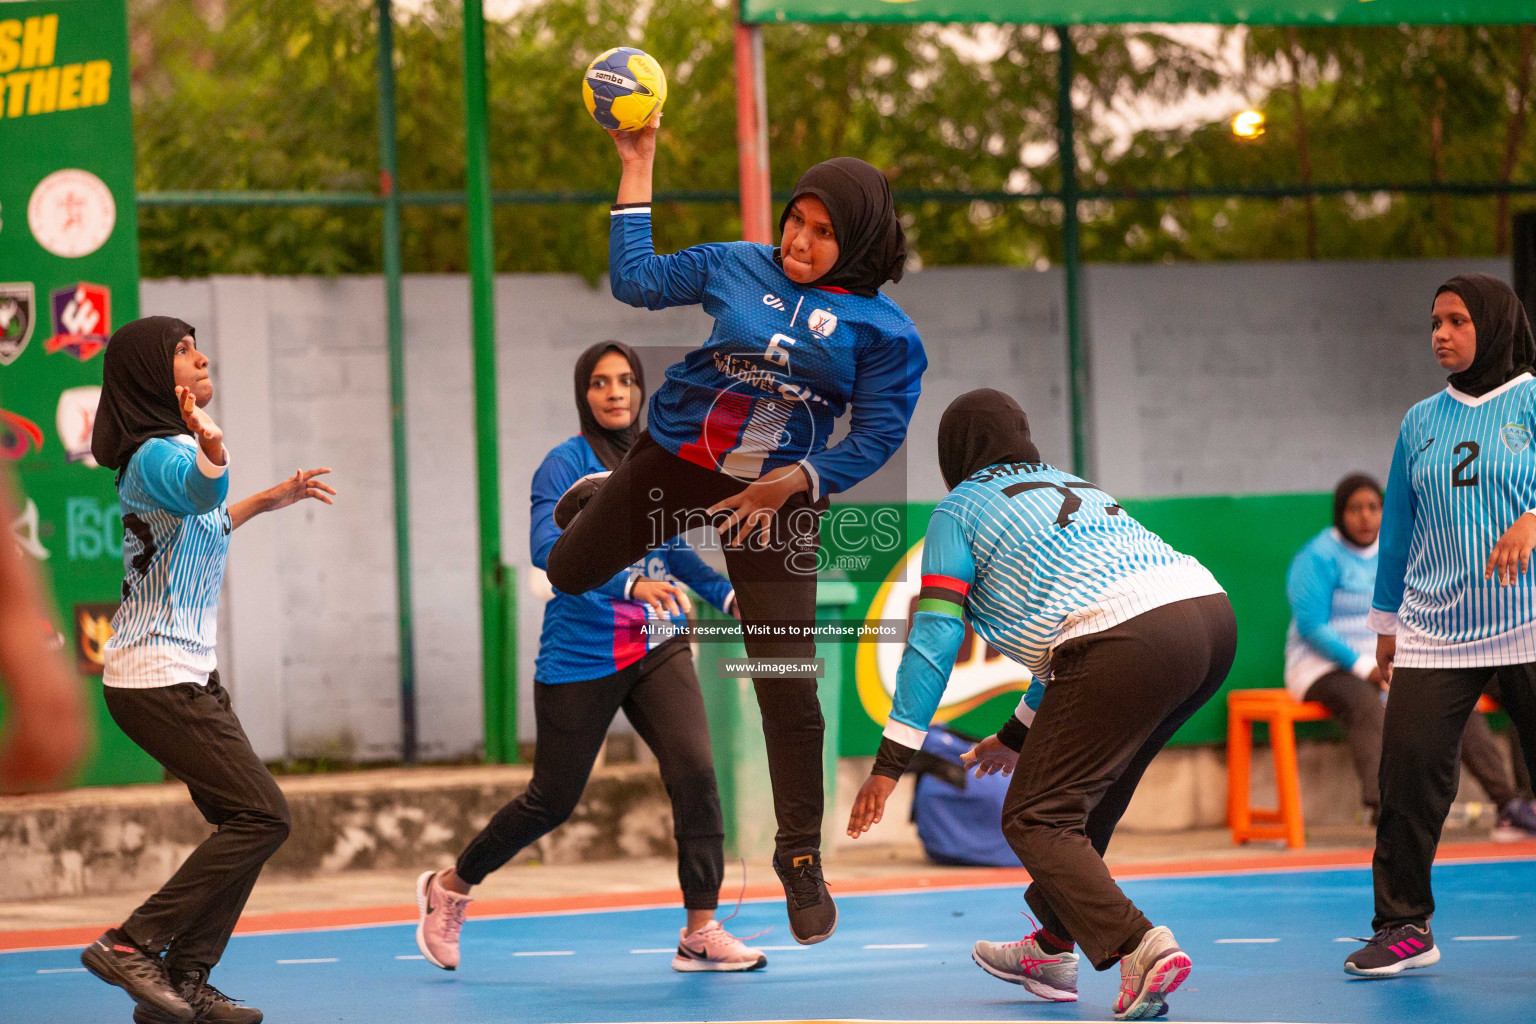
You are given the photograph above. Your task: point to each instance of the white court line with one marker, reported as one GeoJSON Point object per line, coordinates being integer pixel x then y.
{"type": "Point", "coordinates": [546, 952]}
{"type": "Point", "coordinates": [897, 945]}
{"type": "Point", "coordinates": [1234, 942]}
{"type": "Point", "coordinates": [1485, 938]}
{"type": "Point", "coordinates": [62, 970]}
{"type": "Point", "coordinates": [667, 950]}
{"type": "Point", "coordinates": [312, 960]}
{"type": "Point", "coordinates": [410, 956]}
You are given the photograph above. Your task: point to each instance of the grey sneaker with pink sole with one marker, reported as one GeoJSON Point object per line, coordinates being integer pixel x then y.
{"type": "Point", "coordinates": [442, 918]}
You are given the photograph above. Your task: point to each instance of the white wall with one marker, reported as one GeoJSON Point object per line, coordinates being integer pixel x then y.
{"type": "Point", "coordinates": [1217, 378]}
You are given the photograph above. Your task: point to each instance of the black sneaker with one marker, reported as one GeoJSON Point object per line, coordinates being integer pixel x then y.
{"type": "Point", "coordinates": [1394, 950]}
{"type": "Point", "coordinates": [1516, 822]}
{"type": "Point", "coordinates": [136, 972]}
{"type": "Point", "coordinates": [210, 1005]}
{"type": "Point", "coordinates": [812, 914]}
{"type": "Point", "coordinates": [576, 497]}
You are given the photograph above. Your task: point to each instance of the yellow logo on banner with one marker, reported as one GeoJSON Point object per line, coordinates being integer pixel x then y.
{"type": "Point", "coordinates": [30, 84]}
{"type": "Point", "coordinates": [980, 672]}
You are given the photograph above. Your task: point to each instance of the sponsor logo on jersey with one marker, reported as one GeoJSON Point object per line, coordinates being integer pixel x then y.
{"type": "Point", "coordinates": [18, 436]}
{"type": "Point", "coordinates": [776, 302]}
{"type": "Point", "coordinates": [18, 312]}
{"type": "Point", "coordinates": [823, 322]}
{"type": "Point", "coordinates": [82, 320]}
{"type": "Point", "coordinates": [76, 419]}
{"type": "Point", "coordinates": [1516, 436]}
{"type": "Point", "coordinates": [980, 672]}
{"type": "Point", "coordinates": [93, 628]}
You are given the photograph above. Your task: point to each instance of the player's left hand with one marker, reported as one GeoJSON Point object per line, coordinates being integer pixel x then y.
{"type": "Point", "coordinates": [869, 805]}
{"type": "Point", "coordinates": [300, 486]}
{"type": "Point", "coordinates": [753, 508]}
{"type": "Point", "coordinates": [1512, 554]}
{"type": "Point", "coordinates": [989, 757]}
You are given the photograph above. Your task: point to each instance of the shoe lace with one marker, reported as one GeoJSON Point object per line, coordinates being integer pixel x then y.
{"type": "Point", "coordinates": [805, 885]}
{"type": "Point", "coordinates": [201, 995]}
{"type": "Point", "coordinates": [453, 916]}
{"type": "Point", "coordinates": [739, 897]}
{"type": "Point", "coordinates": [144, 967]}
{"type": "Point", "coordinates": [1388, 936]}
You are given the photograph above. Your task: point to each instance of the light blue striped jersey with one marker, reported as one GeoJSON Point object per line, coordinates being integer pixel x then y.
{"type": "Point", "coordinates": [1032, 557]}
{"type": "Point", "coordinates": [175, 542]}
{"type": "Point", "coordinates": [1462, 473]}
{"type": "Point", "coordinates": [1329, 587]}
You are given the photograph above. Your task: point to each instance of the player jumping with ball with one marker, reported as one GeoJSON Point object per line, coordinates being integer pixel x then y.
{"type": "Point", "coordinates": [737, 436]}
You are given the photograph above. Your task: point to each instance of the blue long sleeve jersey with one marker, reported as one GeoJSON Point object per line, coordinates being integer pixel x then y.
{"type": "Point", "coordinates": [1031, 557]}
{"type": "Point", "coordinates": [591, 635]}
{"type": "Point", "coordinates": [1463, 471]}
{"type": "Point", "coordinates": [1329, 587]}
{"type": "Point", "coordinates": [780, 367]}
{"type": "Point", "coordinates": [175, 543]}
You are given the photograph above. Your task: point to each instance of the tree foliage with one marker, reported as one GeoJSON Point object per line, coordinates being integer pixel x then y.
{"type": "Point", "coordinates": [282, 94]}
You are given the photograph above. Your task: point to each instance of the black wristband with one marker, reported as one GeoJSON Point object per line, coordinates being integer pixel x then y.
{"type": "Point", "coordinates": [892, 759]}
{"type": "Point", "coordinates": [1012, 734]}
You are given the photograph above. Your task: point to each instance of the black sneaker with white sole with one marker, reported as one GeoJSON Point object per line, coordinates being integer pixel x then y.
{"type": "Point", "coordinates": [136, 972]}
{"type": "Point", "coordinates": [1394, 950]}
{"type": "Point", "coordinates": [812, 914]}
{"type": "Point", "coordinates": [576, 497]}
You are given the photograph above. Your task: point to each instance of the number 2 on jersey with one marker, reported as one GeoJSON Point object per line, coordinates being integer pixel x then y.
{"type": "Point", "coordinates": [1468, 478]}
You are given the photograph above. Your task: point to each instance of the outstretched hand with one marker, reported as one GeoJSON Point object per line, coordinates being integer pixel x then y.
{"type": "Point", "coordinates": [989, 757]}
{"type": "Point", "coordinates": [209, 435]}
{"type": "Point", "coordinates": [300, 486]}
{"type": "Point", "coordinates": [869, 805]}
{"type": "Point", "coordinates": [640, 145]}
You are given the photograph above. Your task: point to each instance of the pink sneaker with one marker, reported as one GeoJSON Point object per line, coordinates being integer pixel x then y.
{"type": "Point", "coordinates": [442, 917]}
{"type": "Point", "coordinates": [712, 948]}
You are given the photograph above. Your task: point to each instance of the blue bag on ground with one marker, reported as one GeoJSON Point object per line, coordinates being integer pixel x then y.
{"type": "Point", "coordinates": [958, 816]}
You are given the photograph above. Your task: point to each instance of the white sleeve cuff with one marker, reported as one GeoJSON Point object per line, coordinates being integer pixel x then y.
{"type": "Point", "coordinates": [206, 466]}
{"type": "Point", "coordinates": [729, 602]}
{"type": "Point", "coordinates": [1382, 623]}
{"type": "Point", "coordinates": [904, 734]}
{"type": "Point", "coordinates": [1364, 666]}
{"type": "Point", "coordinates": [1024, 713]}
{"type": "Point", "coordinates": [815, 478]}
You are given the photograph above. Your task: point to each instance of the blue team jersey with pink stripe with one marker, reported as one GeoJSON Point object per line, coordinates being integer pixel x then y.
{"type": "Point", "coordinates": [782, 365]}
{"type": "Point", "coordinates": [591, 635]}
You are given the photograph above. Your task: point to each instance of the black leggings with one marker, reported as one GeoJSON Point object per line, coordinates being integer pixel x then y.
{"type": "Point", "coordinates": [1114, 700]}
{"type": "Point", "coordinates": [652, 497]}
{"type": "Point", "coordinates": [1427, 712]}
{"type": "Point", "coordinates": [660, 695]}
{"type": "Point", "coordinates": [1356, 703]}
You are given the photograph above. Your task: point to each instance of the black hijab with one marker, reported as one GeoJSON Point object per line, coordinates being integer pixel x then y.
{"type": "Point", "coordinates": [1505, 348]}
{"type": "Point", "coordinates": [138, 389]}
{"type": "Point", "coordinates": [610, 446]}
{"type": "Point", "coordinates": [980, 429]}
{"type": "Point", "coordinates": [871, 248]}
{"type": "Point", "coordinates": [1343, 492]}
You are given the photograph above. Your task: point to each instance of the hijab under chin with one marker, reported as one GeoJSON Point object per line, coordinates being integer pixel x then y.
{"type": "Point", "coordinates": [1505, 348]}
{"type": "Point", "coordinates": [610, 446]}
{"type": "Point", "coordinates": [138, 389]}
{"type": "Point", "coordinates": [979, 429]}
{"type": "Point", "coordinates": [871, 247]}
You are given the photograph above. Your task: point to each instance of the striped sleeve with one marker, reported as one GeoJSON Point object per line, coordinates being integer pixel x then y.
{"type": "Point", "coordinates": [1396, 531]}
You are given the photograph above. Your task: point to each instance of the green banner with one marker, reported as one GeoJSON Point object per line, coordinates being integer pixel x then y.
{"type": "Point", "coordinates": [1247, 542]}
{"type": "Point", "coordinates": [69, 274]}
{"type": "Point", "coordinates": [1090, 12]}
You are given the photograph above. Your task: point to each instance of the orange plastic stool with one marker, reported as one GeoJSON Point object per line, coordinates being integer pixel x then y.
{"type": "Point", "coordinates": [1280, 711]}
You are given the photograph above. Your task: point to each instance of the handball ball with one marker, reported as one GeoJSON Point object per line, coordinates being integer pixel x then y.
{"type": "Point", "coordinates": [623, 88]}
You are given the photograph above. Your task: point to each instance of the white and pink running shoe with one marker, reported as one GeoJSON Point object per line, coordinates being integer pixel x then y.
{"type": "Point", "coordinates": [712, 948]}
{"type": "Point", "coordinates": [1148, 975]}
{"type": "Point", "coordinates": [442, 918]}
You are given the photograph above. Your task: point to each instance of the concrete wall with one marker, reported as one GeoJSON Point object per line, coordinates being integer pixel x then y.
{"type": "Point", "coordinates": [1213, 378]}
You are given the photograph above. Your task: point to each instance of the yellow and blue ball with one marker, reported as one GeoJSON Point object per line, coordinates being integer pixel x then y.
{"type": "Point", "coordinates": [624, 88]}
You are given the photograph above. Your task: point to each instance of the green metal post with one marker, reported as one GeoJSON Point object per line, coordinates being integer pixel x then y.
{"type": "Point", "coordinates": [1072, 257]}
{"type": "Point", "coordinates": [500, 691]}
{"type": "Point", "coordinates": [394, 320]}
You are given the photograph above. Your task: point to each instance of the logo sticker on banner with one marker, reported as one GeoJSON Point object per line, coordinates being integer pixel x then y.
{"type": "Point", "coordinates": [76, 419]}
{"type": "Point", "coordinates": [24, 530]}
{"type": "Point", "coordinates": [72, 213]}
{"type": "Point", "coordinates": [82, 320]}
{"type": "Point", "coordinates": [18, 312]}
{"type": "Point", "coordinates": [19, 436]}
{"type": "Point", "coordinates": [93, 628]}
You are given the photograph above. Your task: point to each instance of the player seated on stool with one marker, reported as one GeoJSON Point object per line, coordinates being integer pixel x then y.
{"type": "Point", "coordinates": [1126, 639]}
{"type": "Point", "coordinates": [1330, 654]}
